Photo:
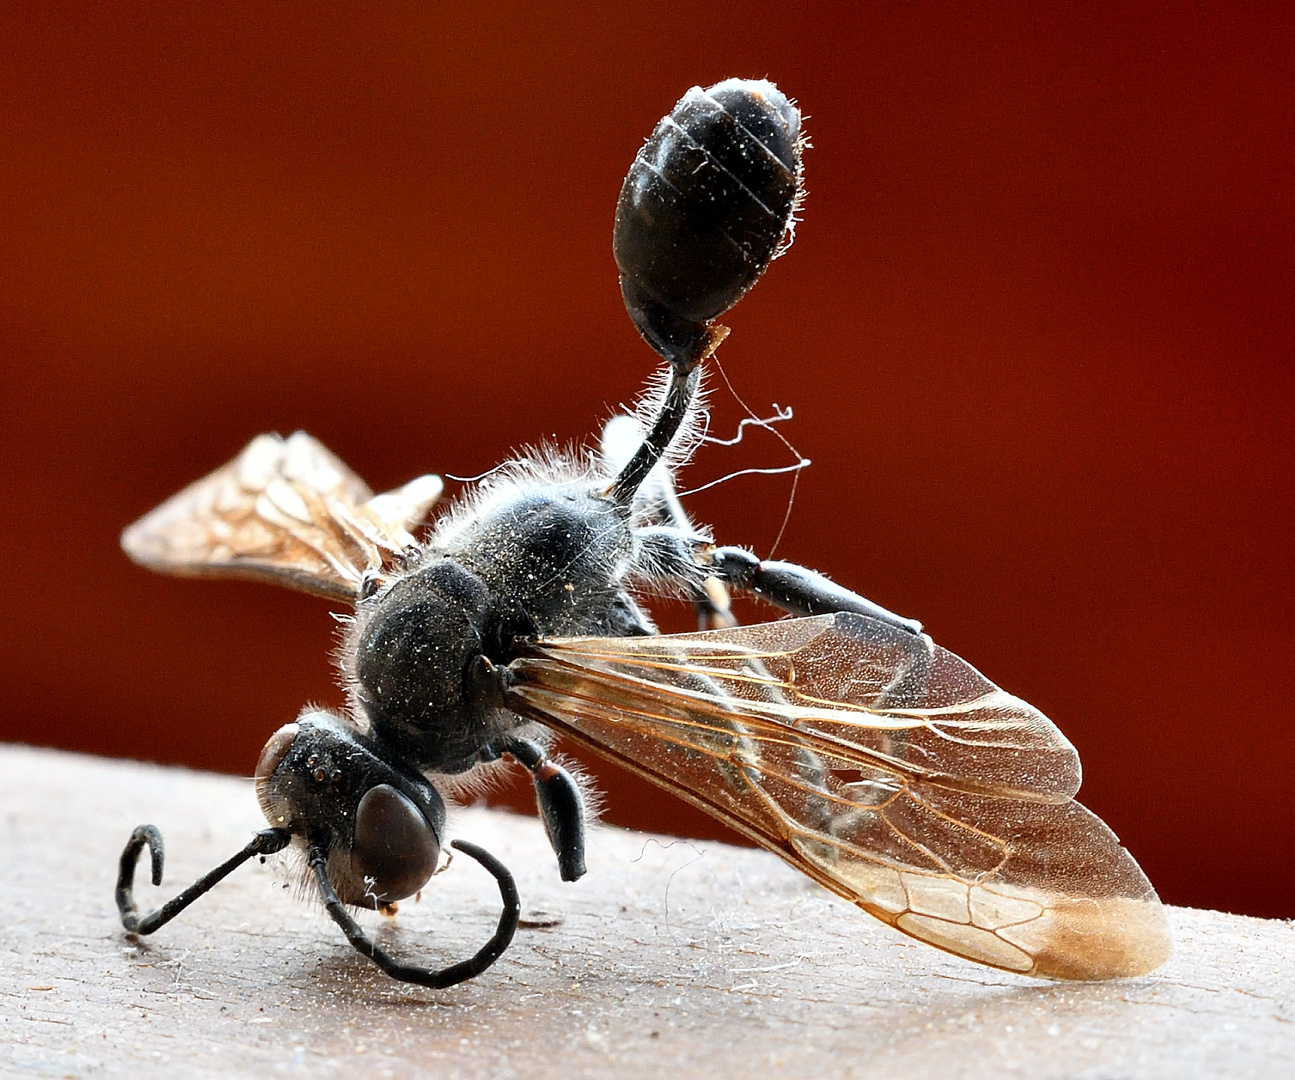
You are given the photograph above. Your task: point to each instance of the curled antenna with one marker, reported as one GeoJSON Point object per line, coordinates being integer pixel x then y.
{"type": "Point", "coordinates": [412, 973]}
{"type": "Point", "coordinates": [266, 842]}
{"type": "Point", "coordinates": [269, 841]}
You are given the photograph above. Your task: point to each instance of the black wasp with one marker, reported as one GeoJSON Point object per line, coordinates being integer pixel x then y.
{"type": "Point", "coordinates": [843, 739]}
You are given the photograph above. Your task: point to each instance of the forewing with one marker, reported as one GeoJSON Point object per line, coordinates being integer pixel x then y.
{"type": "Point", "coordinates": [879, 764]}
{"type": "Point", "coordinates": [286, 511]}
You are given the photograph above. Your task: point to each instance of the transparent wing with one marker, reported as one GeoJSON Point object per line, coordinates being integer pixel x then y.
{"type": "Point", "coordinates": [881, 765]}
{"type": "Point", "coordinates": [286, 511]}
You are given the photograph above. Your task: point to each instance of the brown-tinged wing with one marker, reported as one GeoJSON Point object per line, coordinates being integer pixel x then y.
{"type": "Point", "coordinates": [881, 765]}
{"type": "Point", "coordinates": [285, 511]}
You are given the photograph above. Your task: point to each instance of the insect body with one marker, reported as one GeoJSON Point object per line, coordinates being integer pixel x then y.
{"type": "Point", "coordinates": [844, 739]}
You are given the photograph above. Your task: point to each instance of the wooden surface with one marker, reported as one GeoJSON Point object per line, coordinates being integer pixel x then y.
{"type": "Point", "coordinates": [670, 956]}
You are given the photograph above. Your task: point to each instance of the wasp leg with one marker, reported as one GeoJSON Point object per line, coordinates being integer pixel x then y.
{"type": "Point", "coordinates": [710, 598]}
{"type": "Point", "coordinates": [671, 550]}
{"type": "Point", "coordinates": [266, 842]}
{"type": "Point", "coordinates": [804, 592]}
{"type": "Point", "coordinates": [796, 588]}
{"type": "Point", "coordinates": [455, 973]}
{"type": "Point", "coordinates": [561, 806]}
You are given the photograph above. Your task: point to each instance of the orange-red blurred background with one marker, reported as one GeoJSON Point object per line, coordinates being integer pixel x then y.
{"type": "Point", "coordinates": [1036, 329]}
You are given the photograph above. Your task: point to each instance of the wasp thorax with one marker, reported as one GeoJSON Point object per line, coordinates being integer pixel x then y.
{"type": "Point", "coordinates": [417, 644]}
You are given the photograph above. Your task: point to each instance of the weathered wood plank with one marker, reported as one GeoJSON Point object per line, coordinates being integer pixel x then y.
{"type": "Point", "coordinates": [695, 958]}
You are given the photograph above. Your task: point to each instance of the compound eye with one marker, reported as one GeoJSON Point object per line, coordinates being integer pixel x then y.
{"type": "Point", "coordinates": [395, 849]}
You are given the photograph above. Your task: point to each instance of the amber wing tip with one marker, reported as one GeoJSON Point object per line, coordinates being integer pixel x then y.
{"type": "Point", "coordinates": [1116, 938]}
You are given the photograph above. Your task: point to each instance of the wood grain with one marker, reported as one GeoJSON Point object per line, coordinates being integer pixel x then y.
{"type": "Point", "coordinates": [687, 957]}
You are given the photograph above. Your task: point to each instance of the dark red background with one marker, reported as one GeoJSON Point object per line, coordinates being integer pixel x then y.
{"type": "Point", "coordinates": [1036, 328]}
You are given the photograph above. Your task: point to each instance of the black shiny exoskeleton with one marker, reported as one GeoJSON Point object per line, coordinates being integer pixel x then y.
{"type": "Point", "coordinates": [706, 205]}
{"type": "Point", "coordinates": [548, 547]}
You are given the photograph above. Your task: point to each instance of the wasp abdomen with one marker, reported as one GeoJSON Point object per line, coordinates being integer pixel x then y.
{"type": "Point", "coordinates": [705, 207]}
